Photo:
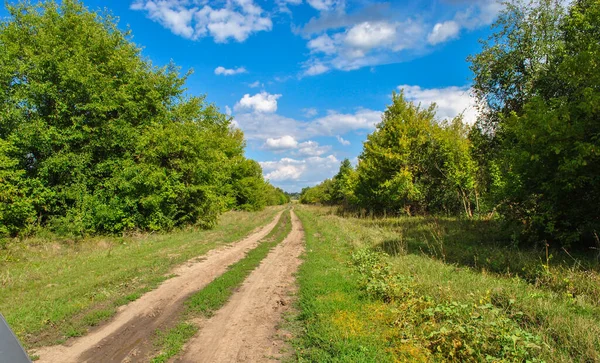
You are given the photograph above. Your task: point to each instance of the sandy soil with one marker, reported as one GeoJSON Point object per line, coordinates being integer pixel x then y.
{"type": "Point", "coordinates": [127, 335]}
{"type": "Point", "coordinates": [245, 329]}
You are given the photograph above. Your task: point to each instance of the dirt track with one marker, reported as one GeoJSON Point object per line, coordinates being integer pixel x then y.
{"type": "Point", "coordinates": [244, 329]}
{"type": "Point", "coordinates": [126, 336]}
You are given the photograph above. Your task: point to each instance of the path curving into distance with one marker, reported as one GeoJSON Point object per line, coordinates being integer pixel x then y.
{"type": "Point", "coordinates": [129, 332]}
{"type": "Point", "coordinates": [244, 329]}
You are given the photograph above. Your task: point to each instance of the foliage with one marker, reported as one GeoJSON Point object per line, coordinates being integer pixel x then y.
{"type": "Point", "coordinates": [53, 287]}
{"type": "Point", "coordinates": [467, 298]}
{"type": "Point", "coordinates": [319, 194]}
{"type": "Point", "coordinates": [95, 139]}
{"type": "Point", "coordinates": [538, 77]}
{"type": "Point", "coordinates": [414, 163]}
{"type": "Point", "coordinates": [411, 163]}
{"type": "Point", "coordinates": [449, 330]}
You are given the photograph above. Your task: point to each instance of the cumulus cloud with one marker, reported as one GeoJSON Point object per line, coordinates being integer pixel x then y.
{"type": "Point", "coordinates": [342, 141]}
{"type": "Point", "coordinates": [312, 148]}
{"type": "Point", "coordinates": [370, 35]}
{"type": "Point", "coordinates": [336, 123]}
{"type": "Point", "coordinates": [364, 44]}
{"type": "Point", "coordinates": [315, 69]}
{"type": "Point", "coordinates": [292, 174]}
{"type": "Point", "coordinates": [326, 5]}
{"type": "Point", "coordinates": [281, 143]}
{"type": "Point", "coordinates": [376, 35]}
{"type": "Point", "coordinates": [261, 102]}
{"type": "Point", "coordinates": [271, 125]}
{"type": "Point", "coordinates": [229, 72]}
{"type": "Point", "coordinates": [323, 44]}
{"type": "Point", "coordinates": [443, 31]}
{"type": "Point", "coordinates": [450, 101]}
{"type": "Point", "coordinates": [235, 20]}
{"type": "Point", "coordinates": [479, 13]}
{"type": "Point", "coordinates": [289, 143]}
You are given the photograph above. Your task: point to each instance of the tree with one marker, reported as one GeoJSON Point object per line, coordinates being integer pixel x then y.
{"type": "Point", "coordinates": [554, 143]}
{"type": "Point", "coordinates": [344, 183]}
{"type": "Point", "coordinates": [96, 139]}
{"type": "Point", "coordinates": [413, 163]}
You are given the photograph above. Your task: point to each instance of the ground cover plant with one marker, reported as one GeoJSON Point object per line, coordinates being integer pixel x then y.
{"type": "Point", "coordinates": [55, 289]}
{"type": "Point", "coordinates": [402, 281]}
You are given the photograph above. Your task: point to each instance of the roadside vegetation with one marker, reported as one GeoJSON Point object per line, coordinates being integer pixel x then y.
{"type": "Point", "coordinates": [423, 289]}
{"type": "Point", "coordinates": [470, 243]}
{"type": "Point", "coordinates": [95, 139]}
{"type": "Point", "coordinates": [532, 158]}
{"type": "Point", "coordinates": [214, 295]}
{"type": "Point", "coordinates": [55, 289]}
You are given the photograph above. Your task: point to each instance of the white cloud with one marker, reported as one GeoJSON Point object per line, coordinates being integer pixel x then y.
{"type": "Point", "coordinates": [271, 125]}
{"type": "Point", "coordinates": [342, 141]}
{"type": "Point", "coordinates": [369, 35]}
{"type": "Point", "coordinates": [364, 44]}
{"type": "Point", "coordinates": [338, 123]}
{"type": "Point", "coordinates": [443, 31]}
{"type": "Point", "coordinates": [255, 84]}
{"type": "Point", "coordinates": [261, 102]}
{"type": "Point", "coordinates": [236, 20]}
{"type": "Point", "coordinates": [450, 101]}
{"type": "Point", "coordinates": [227, 110]}
{"type": "Point", "coordinates": [310, 112]}
{"type": "Point", "coordinates": [170, 14]}
{"type": "Point", "coordinates": [282, 143]}
{"type": "Point", "coordinates": [312, 148]}
{"type": "Point", "coordinates": [378, 34]}
{"type": "Point", "coordinates": [229, 72]}
{"type": "Point", "coordinates": [315, 69]}
{"type": "Point", "coordinates": [480, 13]}
{"type": "Point", "coordinates": [287, 143]}
{"type": "Point", "coordinates": [323, 44]}
{"type": "Point", "coordinates": [325, 5]}
{"type": "Point", "coordinates": [292, 173]}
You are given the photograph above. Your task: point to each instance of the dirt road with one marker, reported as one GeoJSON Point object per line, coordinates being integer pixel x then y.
{"type": "Point", "coordinates": [244, 329]}
{"type": "Point", "coordinates": [126, 336]}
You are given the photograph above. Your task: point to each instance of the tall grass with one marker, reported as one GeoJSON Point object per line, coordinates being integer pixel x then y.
{"type": "Point", "coordinates": [54, 289]}
{"type": "Point", "coordinates": [453, 290]}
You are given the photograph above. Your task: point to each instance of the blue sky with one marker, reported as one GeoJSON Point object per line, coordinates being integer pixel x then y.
{"type": "Point", "coordinates": [307, 80]}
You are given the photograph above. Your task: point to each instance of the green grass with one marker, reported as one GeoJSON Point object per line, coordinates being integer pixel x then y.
{"type": "Point", "coordinates": [338, 323]}
{"type": "Point", "coordinates": [173, 340]}
{"type": "Point", "coordinates": [424, 297]}
{"type": "Point", "coordinates": [214, 295]}
{"type": "Point", "coordinates": [51, 290]}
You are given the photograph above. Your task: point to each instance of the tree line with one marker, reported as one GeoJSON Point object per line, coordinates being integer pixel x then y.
{"type": "Point", "coordinates": [532, 159]}
{"type": "Point", "coordinates": [96, 139]}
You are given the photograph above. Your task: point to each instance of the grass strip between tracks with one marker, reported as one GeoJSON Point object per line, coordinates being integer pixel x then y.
{"type": "Point", "coordinates": [214, 295]}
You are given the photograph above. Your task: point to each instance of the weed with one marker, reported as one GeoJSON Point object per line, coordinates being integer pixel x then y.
{"type": "Point", "coordinates": [480, 300]}
{"type": "Point", "coordinates": [52, 288]}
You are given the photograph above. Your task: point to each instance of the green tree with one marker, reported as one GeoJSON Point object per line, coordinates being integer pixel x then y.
{"type": "Point", "coordinates": [553, 145]}
{"type": "Point", "coordinates": [111, 140]}
{"type": "Point", "coordinates": [413, 163]}
{"type": "Point", "coordinates": [344, 184]}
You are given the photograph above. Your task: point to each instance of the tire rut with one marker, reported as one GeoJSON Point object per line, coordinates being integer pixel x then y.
{"type": "Point", "coordinates": [126, 337]}
{"type": "Point", "coordinates": [244, 329]}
